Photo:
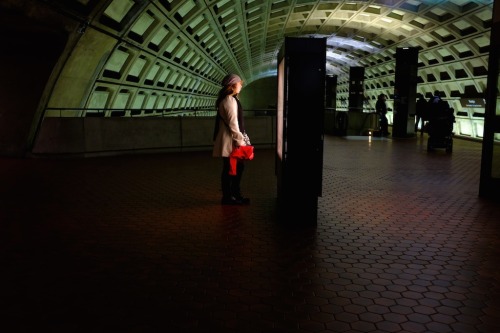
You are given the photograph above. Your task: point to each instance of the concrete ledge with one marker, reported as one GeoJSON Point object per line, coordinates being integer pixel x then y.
{"type": "Point", "coordinates": [95, 136]}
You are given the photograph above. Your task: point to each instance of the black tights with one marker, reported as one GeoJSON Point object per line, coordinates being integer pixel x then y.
{"type": "Point", "coordinates": [231, 184]}
{"type": "Point", "coordinates": [384, 124]}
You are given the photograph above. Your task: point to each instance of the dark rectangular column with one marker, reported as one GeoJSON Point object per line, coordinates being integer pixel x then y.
{"type": "Point", "coordinates": [405, 92]}
{"type": "Point", "coordinates": [300, 128]}
{"type": "Point", "coordinates": [356, 88]}
{"type": "Point", "coordinates": [331, 91]}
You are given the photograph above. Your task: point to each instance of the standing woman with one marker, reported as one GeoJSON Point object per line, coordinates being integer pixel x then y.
{"type": "Point", "coordinates": [229, 133]}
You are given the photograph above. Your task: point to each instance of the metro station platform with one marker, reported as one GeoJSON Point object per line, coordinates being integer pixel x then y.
{"type": "Point", "coordinates": [140, 243]}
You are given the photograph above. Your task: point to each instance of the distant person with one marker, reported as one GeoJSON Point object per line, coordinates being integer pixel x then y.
{"type": "Point", "coordinates": [381, 109]}
{"type": "Point", "coordinates": [421, 113]}
{"type": "Point", "coordinates": [436, 106]}
{"type": "Point", "coordinates": [441, 115]}
{"type": "Point", "coordinates": [436, 96]}
{"type": "Point", "coordinates": [229, 133]}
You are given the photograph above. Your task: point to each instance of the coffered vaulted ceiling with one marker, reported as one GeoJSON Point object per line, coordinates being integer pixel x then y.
{"type": "Point", "coordinates": [176, 48]}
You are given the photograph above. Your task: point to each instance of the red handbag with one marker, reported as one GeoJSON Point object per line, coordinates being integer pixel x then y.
{"type": "Point", "coordinates": [239, 153]}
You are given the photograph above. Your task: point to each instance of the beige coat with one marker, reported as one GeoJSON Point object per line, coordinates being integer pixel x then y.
{"type": "Point", "coordinates": [229, 134]}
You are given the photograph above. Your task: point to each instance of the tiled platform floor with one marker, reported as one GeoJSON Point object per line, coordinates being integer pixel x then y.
{"type": "Point", "coordinates": [140, 243]}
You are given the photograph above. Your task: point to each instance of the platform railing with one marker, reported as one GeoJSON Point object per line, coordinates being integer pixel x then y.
{"type": "Point", "coordinates": [129, 112]}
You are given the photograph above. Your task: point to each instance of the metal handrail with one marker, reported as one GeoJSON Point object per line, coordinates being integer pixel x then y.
{"type": "Point", "coordinates": [123, 112]}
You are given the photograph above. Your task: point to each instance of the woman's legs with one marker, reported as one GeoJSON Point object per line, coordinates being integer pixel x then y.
{"type": "Point", "coordinates": [231, 192]}
{"type": "Point", "coordinates": [225, 179]}
{"type": "Point", "coordinates": [236, 180]}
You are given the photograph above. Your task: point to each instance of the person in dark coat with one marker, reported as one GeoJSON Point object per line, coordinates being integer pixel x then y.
{"type": "Point", "coordinates": [439, 112]}
{"type": "Point", "coordinates": [436, 106]}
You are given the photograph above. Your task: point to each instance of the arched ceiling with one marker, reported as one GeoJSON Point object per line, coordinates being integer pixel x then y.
{"type": "Point", "coordinates": [178, 50]}
{"type": "Point", "coordinates": [247, 35]}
